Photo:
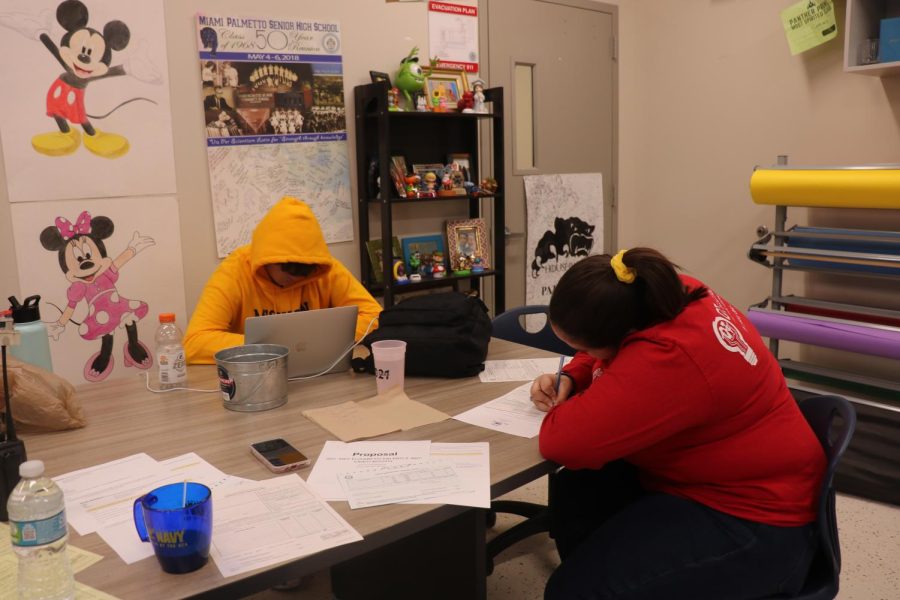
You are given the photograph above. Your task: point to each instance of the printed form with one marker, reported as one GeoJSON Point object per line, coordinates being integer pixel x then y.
{"type": "Point", "coordinates": [511, 413]}
{"type": "Point", "coordinates": [399, 471]}
{"type": "Point", "coordinates": [263, 523]}
{"type": "Point", "coordinates": [101, 499]}
{"type": "Point", "coordinates": [526, 369]}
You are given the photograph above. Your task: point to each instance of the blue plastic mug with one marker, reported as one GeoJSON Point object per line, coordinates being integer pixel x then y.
{"type": "Point", "coordinates": [177, 520]}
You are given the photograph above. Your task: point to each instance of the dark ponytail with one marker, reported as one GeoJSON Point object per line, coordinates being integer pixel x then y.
{"type": "Point", "coordinates": [594, 305]}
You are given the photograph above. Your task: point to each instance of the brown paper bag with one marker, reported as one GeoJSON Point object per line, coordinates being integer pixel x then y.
{"type": "Point", "coordinates": [41, 400]}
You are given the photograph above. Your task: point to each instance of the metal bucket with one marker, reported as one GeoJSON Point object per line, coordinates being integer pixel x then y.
{"type": "Point", "coordinates": [253, 377]}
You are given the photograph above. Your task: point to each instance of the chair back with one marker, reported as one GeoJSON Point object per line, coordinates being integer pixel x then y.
{"type": "Point", "coordinates": [833, 420]}
{"type": "Point", "coordinates": [510, 326]}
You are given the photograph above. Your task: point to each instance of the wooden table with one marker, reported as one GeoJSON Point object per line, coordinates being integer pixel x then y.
{"type": "Point", "coordinates": [124, 418]}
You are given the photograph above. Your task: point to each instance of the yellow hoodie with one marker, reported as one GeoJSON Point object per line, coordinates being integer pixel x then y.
{"type": "Point", "coordinates": [241, 288]}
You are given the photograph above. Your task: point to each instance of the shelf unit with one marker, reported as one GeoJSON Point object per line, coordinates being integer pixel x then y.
{"type": "Point", "coordinates": [424, 137]}
{"type": "Point", "coordinates": [864, 22]}
{"type": "Point", "coordinates": [857, 254]}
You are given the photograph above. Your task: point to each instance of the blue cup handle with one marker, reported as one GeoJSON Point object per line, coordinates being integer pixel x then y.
{"type": "Point", "coordinates": [139, 519]}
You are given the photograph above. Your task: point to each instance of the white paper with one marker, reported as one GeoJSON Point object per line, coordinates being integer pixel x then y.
{"type": "Point", "coordinates": [337, 457]}
{"type": "Point", "coordinates": [267, 522]}
{"type": "Point", "coordinates": [104, 488]}
{"type": "Point", "coordinates": [101, 499]}
{"type": "Point", "coordinates": [117, 528]}
{"type": "Point", "coordinates": [525, 369]}
{"type": "Point", "coordinates": [472, 463]}
{"type": "Point", "coordinates": [389, 485]}
{"type": "Point", "coordinates": [511, 413]}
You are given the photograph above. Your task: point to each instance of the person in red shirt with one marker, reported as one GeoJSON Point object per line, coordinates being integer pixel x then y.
{"type": "Point", "coordinates": [689, 470]}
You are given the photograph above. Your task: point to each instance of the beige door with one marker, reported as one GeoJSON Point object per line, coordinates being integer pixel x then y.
{"type": "Point", "coordinates": [556, 61]}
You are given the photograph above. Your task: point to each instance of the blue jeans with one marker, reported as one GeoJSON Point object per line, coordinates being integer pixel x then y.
{"type": "Point", "coordinates": [618, 542]}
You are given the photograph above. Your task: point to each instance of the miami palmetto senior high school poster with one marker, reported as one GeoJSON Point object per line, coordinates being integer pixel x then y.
{"type": "Point", "coordinates": [273, 105]}
{"type": "Point", "coordinates": [85, 108]}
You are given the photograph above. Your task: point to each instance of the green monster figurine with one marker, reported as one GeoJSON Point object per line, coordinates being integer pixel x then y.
{"type": "Point", "coordinates": [410, 77]}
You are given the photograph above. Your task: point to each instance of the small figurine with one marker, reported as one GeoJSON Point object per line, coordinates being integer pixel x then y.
{"type": "Point", "coordinates": [438, 270]}
{"type": "Point", "coordinates": [478, 96]}
{"type": "Point", "coordinates": [410, 77]}
{"type": "Point", "coordinates": [394, 100]}
{"type": "Point", "coordinates": [415, 261]}
{"type": "Point", "coordinates": [477, 265]}
{"type": "Point", "coordinates": [443, 104]}
{"type": "Point", "coordinates": [429, 180]}
{"type": "Point", "coordinates": [436, 102]}
{"type": "Point", "coordinates": [400, 271]}
{"type": "Point", "coordinates": [489, 185]}
{"type": "Point", "coordinates": [466, 103]}
{"type": "Point", "coordinates": [421, 103]}
{"type": "Point", "coordinates": [463, 265]}
{"type": "Point", "coordinates": [412, 185]}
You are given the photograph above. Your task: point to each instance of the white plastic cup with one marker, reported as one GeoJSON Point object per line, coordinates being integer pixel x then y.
{"type": "Point", "coordinates": [390, 359]}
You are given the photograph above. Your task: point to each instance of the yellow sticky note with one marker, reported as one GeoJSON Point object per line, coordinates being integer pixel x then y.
{"type": "Point", "coordinates": [808, 24]}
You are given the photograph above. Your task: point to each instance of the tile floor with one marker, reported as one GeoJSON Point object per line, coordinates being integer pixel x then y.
{"type": "Point", "coordinates": [870, 544]}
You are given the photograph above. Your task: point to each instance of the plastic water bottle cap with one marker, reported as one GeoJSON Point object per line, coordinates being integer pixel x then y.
{"type": "Point", "coordinates": [31, 469]}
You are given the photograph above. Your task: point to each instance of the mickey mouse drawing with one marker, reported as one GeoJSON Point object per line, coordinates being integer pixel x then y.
{"type": "Point", "coordinates": [85, 54]}
{"type": "Point", "coordinates": [93, 276]}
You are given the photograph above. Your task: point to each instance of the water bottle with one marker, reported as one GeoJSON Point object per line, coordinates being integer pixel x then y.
{"type": "Point", "coordinates": [37, 522]}
{"type": "Point", "coordinates": [35, 346]}
{"type": "Point", "coordinates": [170, 353]}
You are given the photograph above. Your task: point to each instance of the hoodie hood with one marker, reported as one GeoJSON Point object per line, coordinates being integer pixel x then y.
{"type": "Point", "coordinates": [289, 233]}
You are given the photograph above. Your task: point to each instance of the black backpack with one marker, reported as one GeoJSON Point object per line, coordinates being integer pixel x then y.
{"type": "Point", "coordinates": [446, 335]}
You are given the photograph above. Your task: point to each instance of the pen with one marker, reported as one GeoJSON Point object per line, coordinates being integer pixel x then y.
{"type": "Point", "coordinates": [562, 359]}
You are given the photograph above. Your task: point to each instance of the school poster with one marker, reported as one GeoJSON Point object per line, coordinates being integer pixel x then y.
{"type": "Point", "coordinates": [275, 120]}
{"type": "Point", "coordinates": [85, 109]}
{"type": "Point", "coordinates": [564, 224]}
{"type": "Point", "coordinates": [104, 269]}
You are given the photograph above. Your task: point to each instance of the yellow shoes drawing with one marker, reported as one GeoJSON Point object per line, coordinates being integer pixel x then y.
{"type": "Point", "coordinates": [107, 145]}
{"type": "Point", "coordinates": [56, 143]}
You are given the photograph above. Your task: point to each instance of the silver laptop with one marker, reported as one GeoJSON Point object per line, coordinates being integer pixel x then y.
{"type": "Point", "coordinates": [315, 337]}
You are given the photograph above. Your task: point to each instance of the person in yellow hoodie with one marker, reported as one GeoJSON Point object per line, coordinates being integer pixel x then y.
{"type": "Point", "coordinates": [285, 268]}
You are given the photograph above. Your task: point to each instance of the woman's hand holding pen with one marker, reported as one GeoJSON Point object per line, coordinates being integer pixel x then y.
{"type": "Point", "coordinates": [544, 393]}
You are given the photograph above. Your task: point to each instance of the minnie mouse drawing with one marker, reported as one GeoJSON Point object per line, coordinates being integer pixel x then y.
{"type": "Point", "coordinates": [93, 276]}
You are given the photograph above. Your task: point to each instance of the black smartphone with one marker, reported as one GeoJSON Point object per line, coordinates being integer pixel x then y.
{"type": "Point", "coordinates": [278, 455]}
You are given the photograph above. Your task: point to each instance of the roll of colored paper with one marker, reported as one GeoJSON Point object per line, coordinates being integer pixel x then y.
{"type": "Point", "coordinates": [877, 340]}
{"type": "Point", "coordinates": [881, 242]}
{"type": "Point", "coordinates": [838, 188]}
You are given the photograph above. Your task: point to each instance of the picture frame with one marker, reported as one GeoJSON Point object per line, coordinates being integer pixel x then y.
{"type": "Point", "coordinates": [460, 164]}
{"type": "Point", "coordinates": [426, 245]}
{"type": "Point", "coordinates": [376, 252]}
{"type": "Point", "coordinates": [449, 83]}
{"type": "Point", "coordinates": [399, 172]}
{"type": "Point", "coordinates": [379, 76]}
{"type": "Point", "coordinates": [467, 239]}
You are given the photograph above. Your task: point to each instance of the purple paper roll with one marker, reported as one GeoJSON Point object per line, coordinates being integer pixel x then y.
{"type": "Point", "coordinates": [875, 340]}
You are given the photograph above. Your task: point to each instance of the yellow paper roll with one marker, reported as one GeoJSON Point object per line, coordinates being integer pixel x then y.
{"type": "Point", "coordinates": [839, 188]}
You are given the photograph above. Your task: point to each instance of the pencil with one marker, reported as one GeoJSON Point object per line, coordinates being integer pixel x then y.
{"type": "Point", "coordinates": [562, 359]}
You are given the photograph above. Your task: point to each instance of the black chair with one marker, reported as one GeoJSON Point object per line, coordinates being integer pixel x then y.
{"type": "Point", "coordinates": [509, 326]}
{"type": "Point", "coordinates": [833, 419]}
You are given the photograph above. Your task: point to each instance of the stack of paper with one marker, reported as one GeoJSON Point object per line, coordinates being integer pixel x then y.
{"type": "Point", "coordinates": [374, 473]}
{"type": "Point", "coordinates": [255, 524]}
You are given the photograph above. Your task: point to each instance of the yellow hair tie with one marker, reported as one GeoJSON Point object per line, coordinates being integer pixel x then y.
{"type": "Point", "coordinates": [623, 273]}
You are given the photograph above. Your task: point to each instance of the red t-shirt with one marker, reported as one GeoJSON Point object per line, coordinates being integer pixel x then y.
{"type": "Point", "coordinates": [700, 406]}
